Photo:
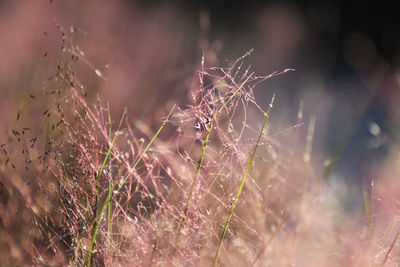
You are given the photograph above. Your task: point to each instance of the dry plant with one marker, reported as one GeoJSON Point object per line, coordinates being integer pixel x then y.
{"type": "Point", "coordinates": [100, 193]}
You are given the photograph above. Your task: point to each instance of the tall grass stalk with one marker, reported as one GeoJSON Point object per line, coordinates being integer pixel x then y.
{"type": "Point", "coordinates": [266, 115]}
{"type": "Point", "coordinates": [200, 162]}
{"type": "Point", "coordinates": [307, 155]}
{"type": "Point", "coordinates": [98, 219]}
{"type": "Point", "coordinates": [109, 182]}
{"type": "Point", "coordinates": [97, 222]}
{"type": "Point", "coordinates": [271, 238]}
{"type": "Point", "coordinates": [390, 248]}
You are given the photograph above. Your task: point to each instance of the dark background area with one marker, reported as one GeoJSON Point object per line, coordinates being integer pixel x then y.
{"type": "Point", "coordinates": [351, 47]}
{"type": "Point", "coordinates": [347, 57]}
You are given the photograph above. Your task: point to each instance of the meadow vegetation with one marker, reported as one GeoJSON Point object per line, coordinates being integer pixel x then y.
{"type": "Point", "coordinates": [207, 185]}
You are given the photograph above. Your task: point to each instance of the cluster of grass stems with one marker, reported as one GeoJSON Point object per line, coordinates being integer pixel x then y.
{"type": "Point", "coordinates": [111, 184]}
{"type": "Point", "coordinates": [173, 197]}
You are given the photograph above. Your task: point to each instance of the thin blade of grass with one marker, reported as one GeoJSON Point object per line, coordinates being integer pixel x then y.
{"type": "Point", "coordinates": [242, 183]}
{"type": "Point", "coordinates": [109, 182]}
{"type": "Point", "coordinates": [109, 198]}
{"type": "Point", "coordinates": [200, 162]}
{"type": "Point", "coordinates": [390, 249]}
{"type": "Point", "coordinates": [95, 221]}
{"type": "Point", "coordinates": [271, 239]}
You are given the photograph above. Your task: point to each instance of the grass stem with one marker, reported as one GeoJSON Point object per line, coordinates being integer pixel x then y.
{"type": "Point", "coordinates": [89, 255]}
{"type": "Point", "coordinates": [200, 162]}
{"type": "Point", "coordinates": [266, 115]}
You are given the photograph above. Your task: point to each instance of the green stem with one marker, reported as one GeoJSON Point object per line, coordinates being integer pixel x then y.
{"type": "Point", "coordinates": [95, 222]}
{"type": "Point", "coordinates": [266, 115]}
{"type": "Point", "coordinates": [109, 198]}
{"type": "Point", "coordinates": [109, 184]}
{"type": "Point", "coordinates": [200, 162]}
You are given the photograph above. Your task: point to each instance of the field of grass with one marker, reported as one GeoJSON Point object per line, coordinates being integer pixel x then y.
{"type": "Point", "coordinates": [211, 184]}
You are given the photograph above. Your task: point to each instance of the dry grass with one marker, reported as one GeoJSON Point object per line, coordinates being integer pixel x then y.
{"type": "Point", "coordinates": [90, 191]}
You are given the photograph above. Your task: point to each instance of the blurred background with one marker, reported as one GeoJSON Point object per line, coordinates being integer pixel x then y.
{"type": "Point", "coordinates": [346, 55]}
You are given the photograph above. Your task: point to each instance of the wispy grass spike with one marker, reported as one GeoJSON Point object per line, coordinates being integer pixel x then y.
{"type": "Point", "coordinates": [266, 115]}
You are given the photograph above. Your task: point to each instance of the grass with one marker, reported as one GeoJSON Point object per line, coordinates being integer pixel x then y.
{"type": "Point", "coordinates": [134, 196]}
{"type": "Point", "coordinates": [200, 162]}
{"type": "Point", "coordinates": [111, 192]}
{"type": "Point", "coordinates": [242, 183]}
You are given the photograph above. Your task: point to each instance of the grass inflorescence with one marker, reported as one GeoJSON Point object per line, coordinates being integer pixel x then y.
{"type": "Point", "coordinates": [101, 192]}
